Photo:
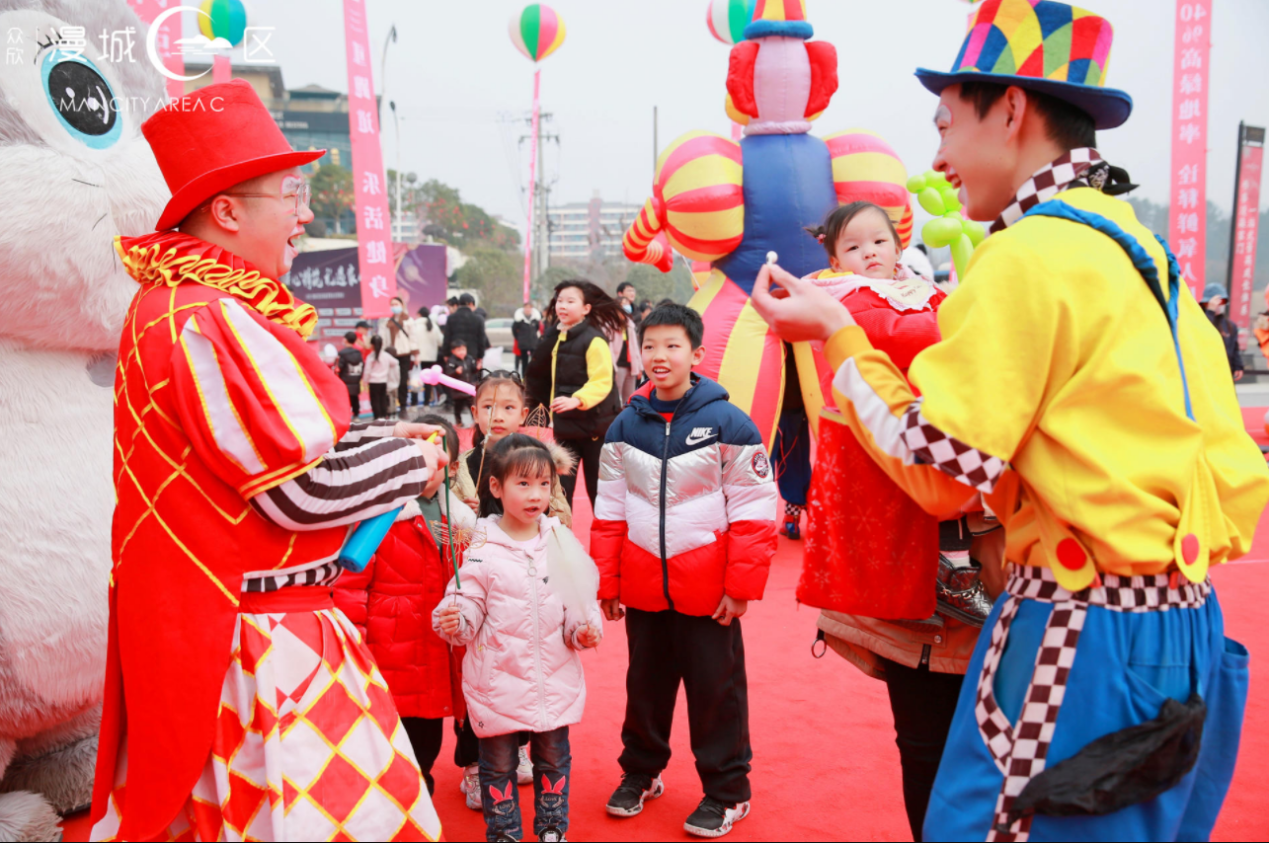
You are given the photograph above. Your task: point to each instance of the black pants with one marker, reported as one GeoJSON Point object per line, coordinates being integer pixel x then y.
{"type": "Point", "coordinates": [522, 361]}
{"type": "Point", "coordinates": [354, 398]}
{"type": "Point", "coordinates": [425, 736]}
{"type": "Point", "coordinates": [403, 391]}
{"type": "Point", "coordinates": [461, 401]}
{"type": "Point", "coordinates": [430, 393]}
{"type": "Point", "coordinates": [923, 703]}
{"type": "Point", "coordinates": [379, 400]}
{"type": "Point", "coordinates": [586, 452]}
{"type": "Point", "coordinates": [667, 648]}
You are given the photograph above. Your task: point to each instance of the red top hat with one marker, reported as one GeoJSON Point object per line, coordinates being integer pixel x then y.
{"type": "Point", "coordinates": [208, 141]}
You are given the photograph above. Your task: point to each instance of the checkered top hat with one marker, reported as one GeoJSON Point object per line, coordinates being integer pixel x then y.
{"type": "Point", "coordinates": [1040, 45]}
{"type": "Point", "coordinates": [780, 17]}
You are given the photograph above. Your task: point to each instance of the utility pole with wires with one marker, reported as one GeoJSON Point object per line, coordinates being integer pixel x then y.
{"type": "Point", "coordinates": [541, 193]}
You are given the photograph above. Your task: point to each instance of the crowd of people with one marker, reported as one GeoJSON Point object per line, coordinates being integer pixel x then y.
{"type": "Point", "coordinates": [235, 624]}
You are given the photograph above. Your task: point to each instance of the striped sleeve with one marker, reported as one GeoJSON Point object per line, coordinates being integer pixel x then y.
{"type": "Point", "coordinates": [258, 405]}
{"type": "Point", "coordinates": [885, 416]}
{"type": "Point", "coordinates": [271, 420]}
{"type": "Point", "coordinates": [598, 372]}
{"type": "Point", "coordinates": [347, 486]}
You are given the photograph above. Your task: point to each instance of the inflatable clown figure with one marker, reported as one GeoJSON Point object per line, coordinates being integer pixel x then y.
{"type": "Point", "coordinates": [730, 204]}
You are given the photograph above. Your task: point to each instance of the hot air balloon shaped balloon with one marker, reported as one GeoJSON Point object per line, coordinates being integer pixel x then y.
{"type": "Point", "coordinates": [728, 18]}
{"type": "Point", "coordinates": [224, 22]}
{"type": "Point", "coordinates": [537, 32]}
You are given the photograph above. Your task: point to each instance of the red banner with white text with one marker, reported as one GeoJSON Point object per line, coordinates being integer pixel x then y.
{"type": "Point", "coordinates": [166, 38]}
{"type": "Point", "coordinates": [1187, 229]}
{"type": "Point", "coordinates": [374, 235]}
{"type": "Point", "coordinates": [1242, 276]}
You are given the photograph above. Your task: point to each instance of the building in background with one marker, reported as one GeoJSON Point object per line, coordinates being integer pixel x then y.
{"type": "Point", "coordinates": [589, 231]}
{"type": "Point", "coordinates": [311, 117]}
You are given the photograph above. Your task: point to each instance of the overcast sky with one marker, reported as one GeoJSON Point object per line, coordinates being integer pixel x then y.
{"type": "Point", "coordinates": [458, 82]}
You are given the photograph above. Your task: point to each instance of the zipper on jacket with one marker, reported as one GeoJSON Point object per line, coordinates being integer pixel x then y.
{"type": "Point", "coordinates": [665, 562]}
{"type": "Point", "coordinates": [537, 644]}
{"type": "Point", "coordinates": [555, 355]}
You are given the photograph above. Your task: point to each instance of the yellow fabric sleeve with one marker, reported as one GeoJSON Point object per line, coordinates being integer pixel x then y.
{"type": "Point", "coordinates": [1006, 338]}
{"type": "Point", "coordinates": [598, 374]}
{"type": "Point", "coordinates": [887, 394]}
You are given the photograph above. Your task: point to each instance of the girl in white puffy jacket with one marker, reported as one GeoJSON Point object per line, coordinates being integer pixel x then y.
{"type": "Point", "coordinates": [525, 610]}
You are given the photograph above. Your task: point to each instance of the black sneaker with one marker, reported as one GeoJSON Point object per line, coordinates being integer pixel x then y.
{"type": "Point", "coordinates": [627, 800]}
{"type": "Point", "coordinates": [714, 819]}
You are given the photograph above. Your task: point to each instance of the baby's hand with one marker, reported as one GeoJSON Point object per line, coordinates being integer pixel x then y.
{"type": "Point", "coordinates": [588, 637]}
{"type": "Point", "coordinates": [451, 619]}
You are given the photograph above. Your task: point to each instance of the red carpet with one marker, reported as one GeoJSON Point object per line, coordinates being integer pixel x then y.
{"type": "Point", "coordinates": [825, 765]}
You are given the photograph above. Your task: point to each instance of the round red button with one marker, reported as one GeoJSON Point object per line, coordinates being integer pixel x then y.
{"type": "Point", "coordinates": [1190, 549]}
{"type": "Point", "coordinates": [1071, 555]}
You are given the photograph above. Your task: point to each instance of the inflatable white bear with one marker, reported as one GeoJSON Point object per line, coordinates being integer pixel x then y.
{"type": "Point", "coordinates": [74, 172]}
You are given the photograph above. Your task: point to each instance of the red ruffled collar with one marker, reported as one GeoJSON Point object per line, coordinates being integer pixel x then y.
{"type": "Point", "coordinates": [168, 258]}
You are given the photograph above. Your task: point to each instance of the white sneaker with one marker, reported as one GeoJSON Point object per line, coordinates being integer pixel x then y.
{"type": "Point", "coordinates": [469, 786]}
{"type": "Point", "coordinates": [524, 771]}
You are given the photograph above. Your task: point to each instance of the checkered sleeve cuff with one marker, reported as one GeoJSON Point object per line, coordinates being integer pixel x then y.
{"type": "Point", "coordinates": [931, 446]}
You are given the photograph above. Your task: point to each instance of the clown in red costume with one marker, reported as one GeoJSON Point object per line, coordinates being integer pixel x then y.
{"type": "Point", "coordinates": [239, 703]}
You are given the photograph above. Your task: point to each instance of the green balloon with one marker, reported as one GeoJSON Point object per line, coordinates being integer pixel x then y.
{"type": "Point", "coordinates": [938, 233]}
{"type": "Point", "coordinates": [962, 251]}
{"type": "Point", "coordinates": [955, 215]}
{"type": "Point", "coordinates": [933, 177]}
{"type": "Point", "coordinates": [932, 201]}
{"type": "Point", "coordinates": [951, 198]}
{"type": "Point", "coordinates": [916, 184]}
{"type": "Point", "coordinates": [975, 231]}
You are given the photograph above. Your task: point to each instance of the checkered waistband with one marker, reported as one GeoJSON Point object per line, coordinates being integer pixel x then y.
{"type": "Point", "coordinates": [1156, 593]}
{"type": "Point", "coordinates": [323, 575]}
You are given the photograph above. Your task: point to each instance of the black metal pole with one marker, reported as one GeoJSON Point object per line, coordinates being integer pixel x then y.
{"type": "Point", "coordinates": [1233, 212]}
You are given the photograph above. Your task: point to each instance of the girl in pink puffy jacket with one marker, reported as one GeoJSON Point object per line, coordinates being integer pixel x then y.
{"type": "Point", "coordinates": [524, 634]}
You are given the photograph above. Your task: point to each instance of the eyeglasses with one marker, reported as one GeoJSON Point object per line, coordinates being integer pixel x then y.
{"type": "Point", "coordinates": [303, 196]}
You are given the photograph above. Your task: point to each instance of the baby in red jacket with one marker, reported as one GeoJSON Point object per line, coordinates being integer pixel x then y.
{"type": "Point", "coordinates": [896, 309]}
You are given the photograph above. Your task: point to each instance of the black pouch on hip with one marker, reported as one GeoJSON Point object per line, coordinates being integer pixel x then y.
{"type": "Point", "coordinates": [1127, 767]}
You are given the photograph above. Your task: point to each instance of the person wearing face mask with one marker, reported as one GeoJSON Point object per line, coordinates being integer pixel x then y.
{"type": "Point", "coordinates": [1215, 301]}
{"type": "Point", "coordinates": [398, 341]}
{"type": "Point", "coordinates": [239, 474]}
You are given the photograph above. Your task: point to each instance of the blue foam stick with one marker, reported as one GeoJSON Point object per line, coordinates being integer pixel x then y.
{"type": "Point", "coordinates": [365, 540]}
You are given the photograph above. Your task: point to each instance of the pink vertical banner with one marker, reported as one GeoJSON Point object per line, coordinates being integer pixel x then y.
{"type": "Point", "coordinates": [1187, 229]}
{"type": "Point", "coordinates": [1246, 224]}
{"type": "Point", "coordinates": [165, 40]}
{"type": "Point", "coordinates": [378, 280]}
{"type": "Point", "coordinates": [222, 69]}
{"type": "Point", "coordinates": [533, 175]}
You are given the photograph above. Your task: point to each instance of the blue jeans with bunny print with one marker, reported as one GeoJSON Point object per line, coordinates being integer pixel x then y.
{"type": "Point", "coordinates": [552, 765]}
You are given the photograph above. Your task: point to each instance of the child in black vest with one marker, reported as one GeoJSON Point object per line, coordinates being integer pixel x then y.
{"type": "Point", "coordinates": [571, 374]}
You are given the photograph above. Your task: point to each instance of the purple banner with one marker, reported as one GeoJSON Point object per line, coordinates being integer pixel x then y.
{"type": "Point", "coordinates": [421, 278]}
{"type": "Point", "coordinates": [331, 282]}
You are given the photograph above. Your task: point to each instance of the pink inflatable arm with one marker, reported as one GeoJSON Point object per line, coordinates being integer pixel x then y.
{"type": "Point", "coordinates": [434, 376]}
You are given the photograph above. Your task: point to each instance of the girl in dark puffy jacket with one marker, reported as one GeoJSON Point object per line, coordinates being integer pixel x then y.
{"type": "Point", "coordinates": [571, 374]}
{"type": "Point", "coordinates": [391, 603]}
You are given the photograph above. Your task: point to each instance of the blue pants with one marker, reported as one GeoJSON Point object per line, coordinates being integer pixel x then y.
{"type": "Point", "coordinates": [1126, 665]}
{"type": "Point", "coordinates": [791, 455]}
{"type": "Point", "coordinates": [500, 796]}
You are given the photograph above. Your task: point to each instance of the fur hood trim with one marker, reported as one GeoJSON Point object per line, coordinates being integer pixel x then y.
{"type": "Point", "coordinates": [565, 462]}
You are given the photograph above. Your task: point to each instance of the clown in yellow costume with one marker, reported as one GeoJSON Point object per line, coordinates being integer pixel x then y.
{"type": "Point", "coordinates": [1081, 390]}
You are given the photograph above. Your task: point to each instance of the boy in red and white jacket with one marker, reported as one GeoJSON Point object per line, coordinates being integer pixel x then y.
{"type": "Point", "coordinates": [685, 580]}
